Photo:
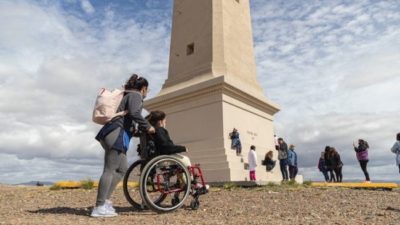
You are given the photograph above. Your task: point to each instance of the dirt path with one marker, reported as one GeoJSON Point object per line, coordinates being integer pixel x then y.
{"type": "Point", "coordinates": [39, 205]}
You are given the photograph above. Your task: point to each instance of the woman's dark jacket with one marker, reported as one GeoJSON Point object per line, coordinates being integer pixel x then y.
{"type": "Point", "coordinates": [362, 151]}
{"type": "Point", "coordinates": [334, 161]}
{"type": "Point", "coordinates": [283, 151]}
{"type": "Point", "coordinates": [269, 163]}
{"type": "Point", "coordinates": [327, 162]}
{"type": "Point", "coordinates": [322, 165]}
{"type": "Point", "coordinates": [164, 144]}
{"type": "Point", "coordinates": [132, 102]}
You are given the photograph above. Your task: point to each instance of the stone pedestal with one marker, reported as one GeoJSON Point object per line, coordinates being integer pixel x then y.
{"type": "Point", "coordinates": [201, 117]}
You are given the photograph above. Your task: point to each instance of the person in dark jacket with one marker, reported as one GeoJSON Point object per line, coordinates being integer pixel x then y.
{"type": "Point", "coordinates": [362, 156]}
{"type": "Point", "coordinates": [268, 162]}
{"type": "Point", "coordinates": [114, 137]}
{"type": "Point", "coordinates": [163, 142]}
{"type": "Point", "coordinates": [292, 162]}
{"type": "Point", "coordinates": [335, 163]}
{"type": "Point", "coordinates": [283, 159]}
{"type": "Point", "coordinates": [322, 166]}
{"type": "Point", "coordinates": [329, 168]}
{"type": "Point", "coordinates": [235, 141]}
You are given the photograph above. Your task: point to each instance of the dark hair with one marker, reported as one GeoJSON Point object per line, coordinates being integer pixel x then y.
{"type": "Point", "coordinates": [398, 136]}
{"type": "Point", "coordinates": [333, 152]}
{"type": "Point", "coordinates": [327, 148]}
{"type": "Point", "coordinates": [136, 83]}
{"type": "Point", "coordinates": [269, 155]}
{"type": "Point", "coordinates": [363, 142]}
{"type": "Point", "coordinates": [280, 139]}
{"type": "Point", "coordinates": [155, 116]}
{"type": "Point", "coordinates": [253, 147]}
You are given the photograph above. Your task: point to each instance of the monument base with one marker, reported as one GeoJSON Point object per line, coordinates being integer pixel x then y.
{"type": "Point", "coordinates": [202, 115]}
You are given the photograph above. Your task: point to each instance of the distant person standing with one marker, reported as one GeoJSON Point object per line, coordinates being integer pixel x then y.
{"type": "Point", "coordinates": [283, 157]}
{"type": "Point", "coordinates": [362, 156]}
{"type": "Point", "coordinates": [396, 150]}
{"type": "Point", "coordinates": [235, 141]}
{"type": "Point", "coordinates": [322, 166]}
{"type": "Point", "coordinates": [252, 158]}
{"type": "Point", "coordinates": [329, 168]}
{"type": "Point", "coordinates": [336, 164]}
{"type": "Point", "coordinates": [292, 162]}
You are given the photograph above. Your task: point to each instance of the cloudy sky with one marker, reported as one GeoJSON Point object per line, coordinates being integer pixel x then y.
{"type": "Point", "coordinates": [333, 66]}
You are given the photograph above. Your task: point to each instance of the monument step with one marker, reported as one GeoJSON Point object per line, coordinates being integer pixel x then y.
{"type": "Point", "coordinates": [218, 165]}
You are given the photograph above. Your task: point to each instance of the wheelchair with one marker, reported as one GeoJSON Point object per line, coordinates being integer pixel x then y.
{"type": "Point", "coordinates": [161, 183]}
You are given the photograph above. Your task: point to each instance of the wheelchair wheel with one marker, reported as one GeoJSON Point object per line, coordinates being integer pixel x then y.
{"type": "Point", "coordinates": [131, 185]}
{"type": "Point", "coordinates": [194, 204]}
{"type": "Point", "coordinates": [171, 179]}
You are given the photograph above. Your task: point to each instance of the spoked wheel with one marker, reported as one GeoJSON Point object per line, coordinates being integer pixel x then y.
{"type": "Point", "coordinates": [131, 185]}
{"type": "Point", "coordinates": [165, 176]}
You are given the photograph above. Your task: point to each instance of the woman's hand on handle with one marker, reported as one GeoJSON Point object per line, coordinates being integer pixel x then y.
{"type": "Point", "coordinates": [151, 130]}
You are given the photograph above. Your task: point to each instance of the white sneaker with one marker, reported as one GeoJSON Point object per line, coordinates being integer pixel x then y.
{"type": "Point", "coordinates": [102, 211]}
{"type": "Point", "coordinates": [109, 206]}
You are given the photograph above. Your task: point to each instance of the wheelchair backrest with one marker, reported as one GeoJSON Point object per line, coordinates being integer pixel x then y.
{"type": "Point", "coordinates": [147, 147]}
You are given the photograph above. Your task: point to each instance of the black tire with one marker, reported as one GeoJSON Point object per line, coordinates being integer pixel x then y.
{"type": "Point", "coordinates": [195, 204]}
{"type": "Point", "coordinates": [170, 204]}
{"type": "Point", "coordinates": [132, 193]}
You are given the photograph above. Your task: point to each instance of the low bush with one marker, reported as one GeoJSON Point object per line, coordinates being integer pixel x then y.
{"type": "Point", "coordinates": [87, 184]}
{"type": "Point", "coordinates": [55, 187]}
{"type": "Point", "coordinates": [230, 186]}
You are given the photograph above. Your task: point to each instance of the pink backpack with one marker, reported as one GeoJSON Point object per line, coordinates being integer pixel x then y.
{"type": "Point", "coordinates": [105, 108]}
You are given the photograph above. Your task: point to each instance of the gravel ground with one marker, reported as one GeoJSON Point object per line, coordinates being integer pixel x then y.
{"type": "Point", "coordinates": [263, 205]}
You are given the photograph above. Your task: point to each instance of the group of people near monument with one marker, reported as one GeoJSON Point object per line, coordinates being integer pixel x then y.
{"type": "Point", "coordinates": [331, 165]}
{"type": "Point", "coordinates": [287, 159]}
{"type": "Point", "coordinates": [286, 155]}
{"type": "Point", "coordinates": [116, 134]}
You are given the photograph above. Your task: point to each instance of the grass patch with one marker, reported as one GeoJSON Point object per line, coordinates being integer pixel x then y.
{"type": "Point", "coordinates": [272, 184]}
{"type": "Point", "coordinates": [307, 183]}
{"type": "Point", "coordinates": [55, 187]}
{"type": "Point", "coordinates": [230, 186]}
{"type": "Point", "coordinates": [87, 184]}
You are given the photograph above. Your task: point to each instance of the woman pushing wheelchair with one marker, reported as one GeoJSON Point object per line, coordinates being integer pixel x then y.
{"type": "Point", "coordinates": [163, 176]}
{"type": "Point", "coordinates": [114, 137]}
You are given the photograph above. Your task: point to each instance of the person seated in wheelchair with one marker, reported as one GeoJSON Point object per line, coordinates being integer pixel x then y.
{"type": "Point", "coordinates": [163, 142]}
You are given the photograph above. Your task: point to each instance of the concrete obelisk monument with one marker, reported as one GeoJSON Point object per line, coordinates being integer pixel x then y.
{"type": "Point", "coordinates": [212, 88]}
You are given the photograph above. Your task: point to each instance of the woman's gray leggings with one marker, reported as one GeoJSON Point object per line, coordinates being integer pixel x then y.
{"type": "Point", "coordinates": [115, 166]}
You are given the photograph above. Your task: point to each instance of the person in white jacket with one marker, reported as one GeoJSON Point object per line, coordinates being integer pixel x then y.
{"type": "Point", "coordinates": [396, 150]}
{"type": "Point", "coordinates": [252, 158]}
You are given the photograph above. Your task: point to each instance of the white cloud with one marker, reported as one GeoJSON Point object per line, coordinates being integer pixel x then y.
{"type": "Point", "coordinates": [87, 6]}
